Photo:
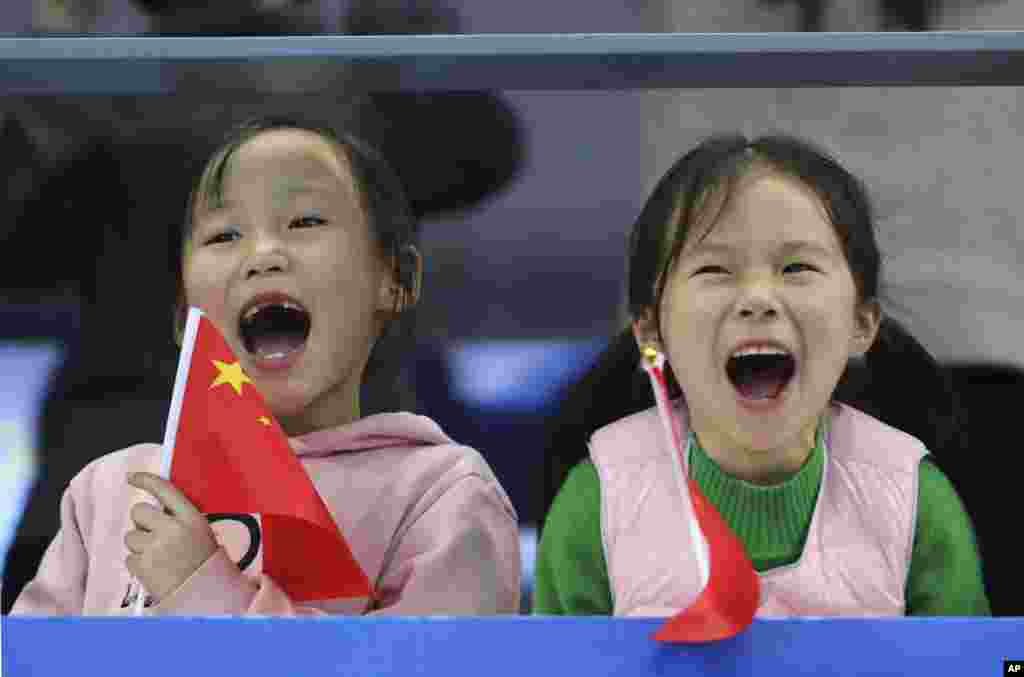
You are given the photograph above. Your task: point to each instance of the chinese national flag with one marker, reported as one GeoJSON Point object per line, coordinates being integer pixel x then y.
{"type": "Point", "coordinates": [729, 600]}
{"type": "Point", "coordinates": [227, 453]}
{"type": "Point", "coordinates": [732, 590]}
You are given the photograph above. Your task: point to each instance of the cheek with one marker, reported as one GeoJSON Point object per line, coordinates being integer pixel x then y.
{"type": "Point", "coordinates": [688, 314]}
{"type": "Point", "coordinates": [827, 329]}
{"type": "Point", "coordinates": [347, 292]}
{"type": "Point", "coordinates": [203, 287]}
{"type": "Point", "coordinates": [834, 308]}
{"type": "Point", "coordinates": [689, 321]}
{"type": "Point", "coordinates": [346, 280]}
{"type": "Point", "coordinates": [339, 253]}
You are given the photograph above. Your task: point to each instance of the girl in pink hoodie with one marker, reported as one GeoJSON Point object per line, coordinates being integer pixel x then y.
{"type": "Point", "coordinates": [299, 248]}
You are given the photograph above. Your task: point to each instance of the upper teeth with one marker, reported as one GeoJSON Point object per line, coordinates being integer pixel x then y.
{"type": "Point", "coordinates": [260, 306]}
{"type": "Point", "coordinates": [759, 350]}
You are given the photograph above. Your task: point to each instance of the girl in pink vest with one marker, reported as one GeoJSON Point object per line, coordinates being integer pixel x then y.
{"type": "Point", "coordinates": [299, 247]}
{"type": "Point", "coordinates": [754, 269]}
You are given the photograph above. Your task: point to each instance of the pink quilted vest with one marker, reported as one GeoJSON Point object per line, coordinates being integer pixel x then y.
{"type": "Point", "coordinates": [857, 553]}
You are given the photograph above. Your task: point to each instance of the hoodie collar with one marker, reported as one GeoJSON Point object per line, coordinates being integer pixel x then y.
{"type": "Point", "coordinates": [400, 429]}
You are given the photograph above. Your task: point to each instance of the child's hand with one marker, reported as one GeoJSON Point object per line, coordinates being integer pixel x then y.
{"type": "Point", "coordinates": [167, 545]}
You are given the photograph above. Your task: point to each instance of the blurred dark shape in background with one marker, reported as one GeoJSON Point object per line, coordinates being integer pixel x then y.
{"type": "Point", "coordinates": [986, 473]}
{"type": "Point", "coordinates": [894, 15]}
{"type": "Point", "coordinates": [401, 17]}
{"type": "Point", "coordinates": [229, 17]}
{"type": "Point", "coordinates": [453, 151]}
{"type": "Point", "coordinates": [812, 12]}
{"type": "Point", "coordinates": [907, 15]}
{"type": "Point", "coordinates": [23, 173]}
{"type": "Point", "coordinates": [95, 201]}
{"type": "Point", "coordinates": [447, 168]}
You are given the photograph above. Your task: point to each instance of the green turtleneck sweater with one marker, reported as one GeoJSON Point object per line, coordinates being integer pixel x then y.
{"type": "Point", "coordinates": [772, 521]}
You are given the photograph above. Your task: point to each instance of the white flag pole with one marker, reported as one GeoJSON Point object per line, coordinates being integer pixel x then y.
{"type": "Point", "coordinates": [653, 363]}
{"type": "Point", "coordinates": [171, 430]}
{"type": "Point", "coordinates": [188, 342]}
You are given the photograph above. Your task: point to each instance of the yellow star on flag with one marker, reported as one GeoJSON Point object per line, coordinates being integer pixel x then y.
{"type": "Point", "coordinates": [264, 420]}
{"type": "Point", "coordinates": [231, 374]}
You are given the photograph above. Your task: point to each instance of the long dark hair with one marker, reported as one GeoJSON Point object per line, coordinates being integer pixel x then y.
{"type": "Point", "coordinates": [898, 382]}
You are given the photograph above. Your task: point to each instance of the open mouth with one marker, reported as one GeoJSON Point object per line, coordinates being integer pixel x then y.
{"type": "Point", "coordinates": [760, 373]}
{"type": "Point", "coordinates": [274, 330]}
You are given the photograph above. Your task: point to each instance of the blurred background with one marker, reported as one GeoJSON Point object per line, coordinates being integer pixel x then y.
{"type": "Point", "coordinates": [525, 199]}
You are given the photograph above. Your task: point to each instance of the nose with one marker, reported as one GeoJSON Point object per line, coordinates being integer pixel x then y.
{"type": "Point", "coordinates": [757, 301]}
{"type": "Point", "coordinates": [758, 310]}
{"type": "Point", "coordinates": [267, 257]}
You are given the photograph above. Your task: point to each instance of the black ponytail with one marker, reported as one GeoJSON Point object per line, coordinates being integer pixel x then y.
{"type": "Point", "coordinates": [614, 387]}
{"type": "Point", "coordinates": [900, 383]}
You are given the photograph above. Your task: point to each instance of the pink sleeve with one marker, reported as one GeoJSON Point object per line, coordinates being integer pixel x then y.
{"type": "Point", "coordinates": [219, 588]}
{"type": "Point", "coordinates": [460, 557]}
{"type": "Point", "coordinates": [59, 585]}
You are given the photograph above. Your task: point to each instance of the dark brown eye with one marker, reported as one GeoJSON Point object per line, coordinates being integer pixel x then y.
{"type": "Point", "coordinates": [711, 270]}
{"type": "Point", "coordinates": [223, 236]}
{"type": "Point", "coordinates": [798, 267]}
{"type": "Point", "coordinates": [307, 222]}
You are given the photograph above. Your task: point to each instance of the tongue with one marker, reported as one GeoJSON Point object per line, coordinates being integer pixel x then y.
{"type": "Point", "coordinates": [276, 344]}
{"type": "Point", "coordinates": [763, 383]}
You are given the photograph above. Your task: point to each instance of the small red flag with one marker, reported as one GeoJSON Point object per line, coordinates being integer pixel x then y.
{"type": "Point", "coordinates": [729, 600]}
{"type": "Point", "coordinates": [732, 591]}
{"type": "Point", "coordinates": [228, 454]}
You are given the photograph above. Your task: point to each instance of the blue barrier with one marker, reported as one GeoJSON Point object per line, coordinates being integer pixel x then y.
{"type": "Point", "coordinates": [308, 64]}
{"type": "Point", "coordinates": [500, 646]}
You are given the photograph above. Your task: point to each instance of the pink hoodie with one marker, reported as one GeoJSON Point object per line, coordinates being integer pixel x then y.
{"type": "Point", "coordinates": [425, 518]}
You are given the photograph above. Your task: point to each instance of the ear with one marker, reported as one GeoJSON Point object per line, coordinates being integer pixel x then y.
{"type": "Point", "coordinates": [867, 319]}
{"type": "Point", "coordinates": [645, 330]}
{"type": "Point", "coordinates": [401, 285]}
{"type": "Point", "coordinates": [413, 260]}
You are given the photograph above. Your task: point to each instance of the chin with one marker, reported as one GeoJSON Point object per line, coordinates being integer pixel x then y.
{"type": "Point", "coordinates": [764, 444]}
{"type": "Point", "coordinates": [778, 439]}
{"type": "Point", "coordinates": [764, 436]}
{"type": "Point", "coordinates": [286, 405]}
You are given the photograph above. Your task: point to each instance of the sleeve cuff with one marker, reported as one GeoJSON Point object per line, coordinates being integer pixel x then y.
{"type": "Point", "coordinates": [217, 588]}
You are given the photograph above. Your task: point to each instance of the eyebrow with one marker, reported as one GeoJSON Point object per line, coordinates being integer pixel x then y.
{"type": "Point", "coordinates": [787, 248]}
{"type": "Point", "coordinates": [799, 245]}
{"type": "Point", "coordinates": [305, 187]}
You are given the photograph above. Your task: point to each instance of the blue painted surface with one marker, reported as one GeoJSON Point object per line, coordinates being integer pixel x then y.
{"type": "Point", "coordinates": [148, 65]}
{"type": "Point", "coordinates": [518, 376]}
{"type": "Point", "coordinates": [25, 371]}
{"type": "Point", "coordinates": [495, 647]}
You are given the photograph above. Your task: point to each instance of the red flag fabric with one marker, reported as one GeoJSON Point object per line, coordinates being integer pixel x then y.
{"type": "Point", "coordinates": [230, 455]}
{"type": "Point", "coordinates": [731, 596]}
{"type": "Point", "coordinates": [732, 593]}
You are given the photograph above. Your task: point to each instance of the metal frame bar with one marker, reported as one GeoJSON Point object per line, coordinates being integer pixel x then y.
{"type": "Point", "coordinates": [302, 64]}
